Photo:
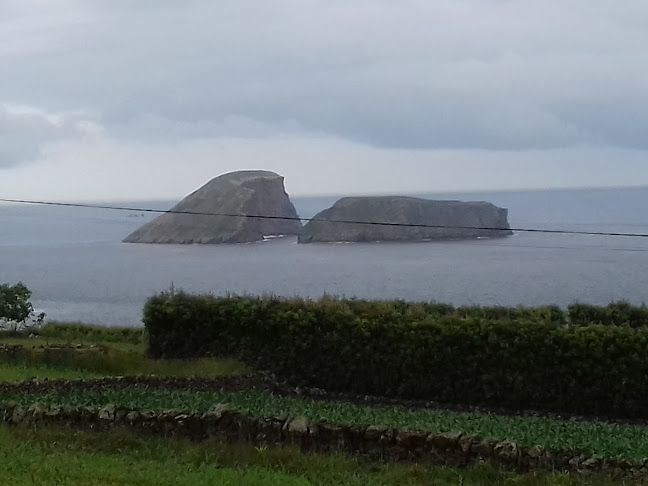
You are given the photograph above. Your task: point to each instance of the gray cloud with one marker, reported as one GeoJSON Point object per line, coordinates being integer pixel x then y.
{"type": "Point", "coordinates": [489, 74]}
{"type": "Point", "coordinates": [26, 130]}
{"type": "Point", "coordinates": [152, 127]}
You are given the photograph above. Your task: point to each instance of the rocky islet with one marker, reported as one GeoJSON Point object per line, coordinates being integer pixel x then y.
{"type": "Point", "coordinates": [248, 206]}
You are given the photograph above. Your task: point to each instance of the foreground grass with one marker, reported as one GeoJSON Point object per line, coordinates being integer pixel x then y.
{"type": "Point", "coordinates": [607, 440]}
{"type": "Point", "coordinates": [53, 456]}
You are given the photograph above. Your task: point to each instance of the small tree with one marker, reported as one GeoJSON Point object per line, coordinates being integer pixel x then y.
{"type": "Point", "coordinates": [16, 310]}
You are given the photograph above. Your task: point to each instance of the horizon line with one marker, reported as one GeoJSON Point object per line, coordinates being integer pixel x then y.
{"type": "Point", "coordinates": [369, 194]}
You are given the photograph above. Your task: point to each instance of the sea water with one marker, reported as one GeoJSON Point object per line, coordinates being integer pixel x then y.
{"type": "Point", "coordinates": [78, 269]}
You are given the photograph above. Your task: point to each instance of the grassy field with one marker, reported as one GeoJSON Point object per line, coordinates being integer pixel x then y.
{"type": "Point", "coordinates": [36, 343]}
{"type": "Point", "coordinates": [119, 367]}
{"type": "Point", "coordinates": [101, 354]}
{"type": "Point", "coordinates": [22, 372]}
{"type": "Point", "coordinates": [606, 440]}
{"type": "Point", "coordinates": [59, 457]}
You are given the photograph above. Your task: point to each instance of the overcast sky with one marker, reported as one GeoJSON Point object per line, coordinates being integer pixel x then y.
{"type": "Point", "coordinates": [149, 99]}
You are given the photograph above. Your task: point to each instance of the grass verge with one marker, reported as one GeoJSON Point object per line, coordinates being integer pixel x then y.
{"type": "Point", "coordinates": [104, 352]}
{"type": "Point", "coordinates": [94, 365]}
{"type": "Point", "coordinates": [606, 440]}
{"type": "Point", "coordinates": [22, 372]}
{"type": "Point", "coordinates": [54, 456]}
{"type": "Point", "coordinates": [119, 365]}
{"type": "Point", "coordinates": [79, 331]}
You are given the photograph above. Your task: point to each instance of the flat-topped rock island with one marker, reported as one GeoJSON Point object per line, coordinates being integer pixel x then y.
{"type": "Point", "coordinates": [429, 220]}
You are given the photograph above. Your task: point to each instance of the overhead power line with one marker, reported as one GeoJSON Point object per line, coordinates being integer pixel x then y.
{"type": "Point", "coordinates": [339, 221]}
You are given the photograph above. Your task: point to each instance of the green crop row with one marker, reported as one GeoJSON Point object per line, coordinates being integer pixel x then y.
{"type": "Point", "coordinates": [450, 359]}
{"type": "Point", "coordinates": [606, 440]}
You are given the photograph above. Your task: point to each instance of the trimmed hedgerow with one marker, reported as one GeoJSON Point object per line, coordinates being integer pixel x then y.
{"type": "Point", "coordinates": [329, 344]}
{"type": "Point", "coordinates": [615, 314]}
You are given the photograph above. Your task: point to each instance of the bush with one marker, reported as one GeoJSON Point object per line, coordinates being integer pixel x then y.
{"type": "Point", "coordinates": [616, 314]}
{"type": "Point", "coordinates": [16, 310]}
{"type": "Point", "coordinates": [336, 345]}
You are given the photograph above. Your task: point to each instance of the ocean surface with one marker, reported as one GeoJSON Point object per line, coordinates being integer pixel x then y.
{"type": "Point", "coordinates": [78, 269]}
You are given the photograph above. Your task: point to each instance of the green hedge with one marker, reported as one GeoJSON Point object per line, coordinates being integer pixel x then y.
{"type": "Point", "coordinates": [399, 311]}
{"type": "Point", "coordinates": [615, 314]}
{"type": "Point", "coordinates": [333, 345]}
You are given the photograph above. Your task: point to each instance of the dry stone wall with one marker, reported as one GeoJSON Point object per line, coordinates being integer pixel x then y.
{"type": "Point", "coordinates": [368, 441]}
{"type": "Point", "coordinates": [224, 383]}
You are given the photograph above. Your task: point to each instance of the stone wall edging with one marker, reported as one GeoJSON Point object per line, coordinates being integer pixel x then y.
{"type": "Point", "coordinates": [381, 443]}
{"type": "Point", "coordinates": [224, 383]}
